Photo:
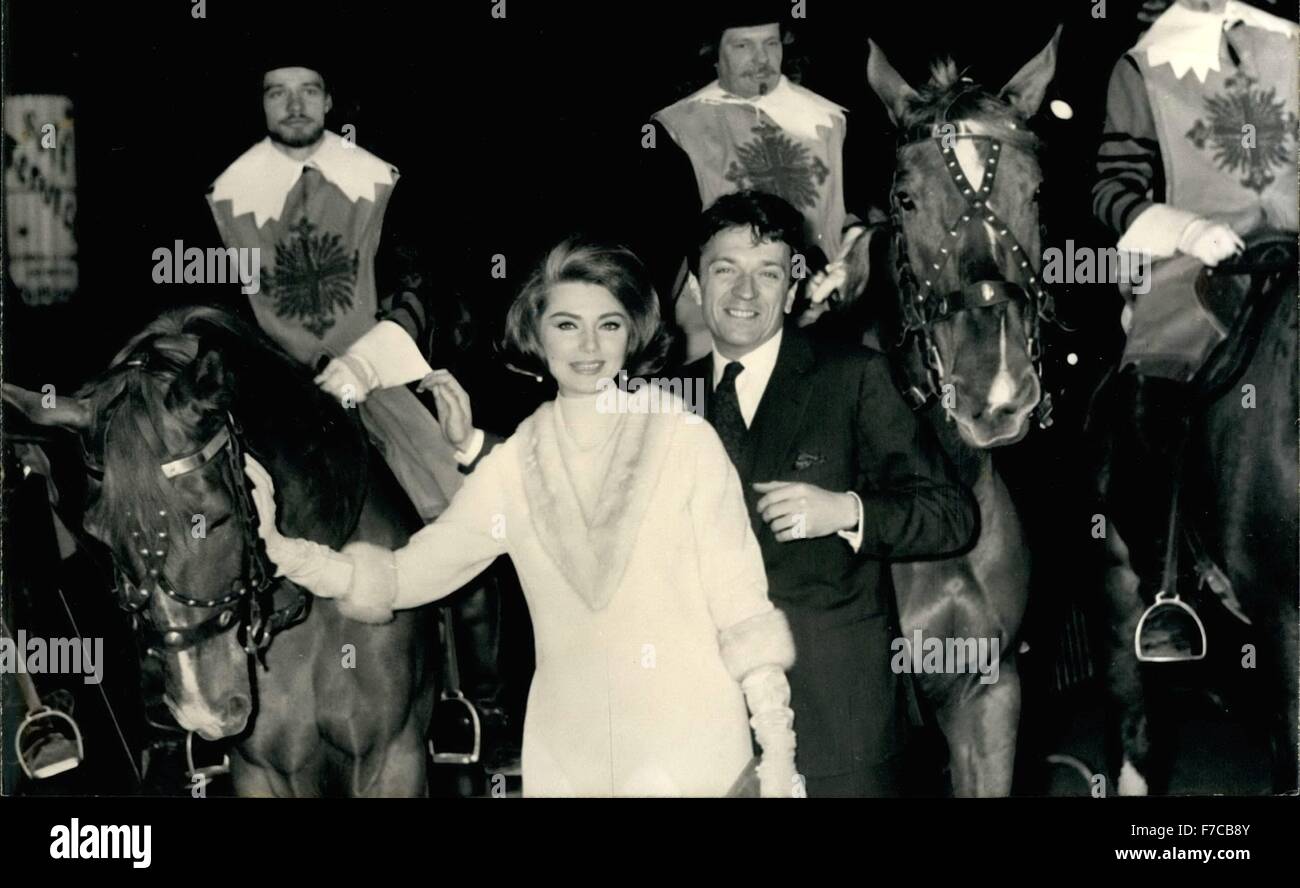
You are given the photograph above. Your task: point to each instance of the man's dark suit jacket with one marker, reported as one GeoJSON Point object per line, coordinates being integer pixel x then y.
{"type": "Point", "coordinates": [831, 416]}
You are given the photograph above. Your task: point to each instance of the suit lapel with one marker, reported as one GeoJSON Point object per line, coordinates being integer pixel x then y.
{"type": "Point", "coordinates": [781, 409]}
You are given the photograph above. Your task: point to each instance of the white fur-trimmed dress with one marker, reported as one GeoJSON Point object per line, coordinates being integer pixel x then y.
{"type": "Point", "coordinates": [644, 621]}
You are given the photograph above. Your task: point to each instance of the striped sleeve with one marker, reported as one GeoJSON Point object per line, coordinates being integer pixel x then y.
{"type": "Point", "coordinates": [402, 272]}
{"type": "Point", "coordinates": [409, 312]}
{"type": "Point", "coordinates": [1130, 171]}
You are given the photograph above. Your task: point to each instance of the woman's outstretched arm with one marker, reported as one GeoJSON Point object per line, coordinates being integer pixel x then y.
{"type": "Point", "coordinates": [369, 582]}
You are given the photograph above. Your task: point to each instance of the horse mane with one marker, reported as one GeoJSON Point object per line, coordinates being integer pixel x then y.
{"type": "Point", "coordinates": [128, 401]}
{"type": "Point", "coordinates": [952, 96]}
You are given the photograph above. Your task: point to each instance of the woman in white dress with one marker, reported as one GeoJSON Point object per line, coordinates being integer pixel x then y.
{"type": "Point", "coordinates": [657, 646]}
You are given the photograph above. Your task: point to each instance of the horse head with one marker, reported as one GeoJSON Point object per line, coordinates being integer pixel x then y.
{"type": "Point", "coordinates": [167, 496]}
{"type": "Point", "coordinates": [967, 248]}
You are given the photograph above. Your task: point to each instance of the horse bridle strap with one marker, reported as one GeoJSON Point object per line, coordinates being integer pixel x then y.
{"type": "Point", "coordinates": [198, 460]}
{"type": "Point", "coordinates": [254, 589]}
{"type": "Point", "coordinates": [174, 639]}
{"type": "Point", "coordinates": [977, 208]}
{"type": "Point", "coordinates": [981, 294]}
{"type": "Point", "coordinates": [922, 306]}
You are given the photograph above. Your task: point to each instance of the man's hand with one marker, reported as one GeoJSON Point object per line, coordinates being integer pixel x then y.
{"type": "Point", "coordinates": [795, 510]}
{"type": "Point", "coordinates": [1210, 242]}
{"type": "Point", "coordinates": [454, 413]}
{"type": "Point", "coordinates": [349, 379]}
{"type": "Point", "coordinates": [812, 313]}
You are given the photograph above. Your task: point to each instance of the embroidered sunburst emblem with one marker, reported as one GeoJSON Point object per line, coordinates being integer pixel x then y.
{"type": "Point", "coordinates": [1230, 113]}
{"type": "Point", "coordinates": [313, 278]}
{"type": "Point", "coordinates": [777, 164]}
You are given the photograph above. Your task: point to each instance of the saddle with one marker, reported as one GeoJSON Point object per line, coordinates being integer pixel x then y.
{"type": "Point", "coordinates": [1240, 294]}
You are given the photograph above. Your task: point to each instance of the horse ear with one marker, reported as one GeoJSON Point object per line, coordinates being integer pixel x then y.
{"type": "Point", "coordinates": [1026, 89]}
{"type": "Point", "coordinates": [204, 387]}
{"type": "Point", "coordinates": [61, 411]}
{"type": "Point", "coordinates": [887, 83]}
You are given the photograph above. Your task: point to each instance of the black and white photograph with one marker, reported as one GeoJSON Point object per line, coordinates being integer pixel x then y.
{"type": "Point", "coordinates": [797, 399]}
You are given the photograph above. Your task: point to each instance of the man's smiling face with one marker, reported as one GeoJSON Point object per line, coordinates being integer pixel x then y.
{"type": "Point", "coordinates": [745, 289]}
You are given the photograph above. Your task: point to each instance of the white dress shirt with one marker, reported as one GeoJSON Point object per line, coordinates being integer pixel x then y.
{"type": "Point", "coordinates": [750, 385]}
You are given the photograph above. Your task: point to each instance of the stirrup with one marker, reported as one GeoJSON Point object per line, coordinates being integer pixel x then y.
{"type": "Point", "coordinates": [48, 742]}
{"type": "Point", "coordinates": [208, 772]}
{"type": "Point", "coordinates": [456, 732]}
{"type": "Point", "coordinates": [1169, 631]}
{"type": "Point", "coordinates": [455, 728]}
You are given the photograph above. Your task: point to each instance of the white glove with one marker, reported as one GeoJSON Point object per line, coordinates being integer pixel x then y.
{"type": "Point", "coordinates": [350, 379]}
{"type": "Point", "coordinates": [835, 275]}
{"type": "Point", "coordinates": [318, 568]}
{"type": "Point", "coordinates": [1209, 241]}
{"type": "Point", "coordinates": [384, 357]}
{"type": "Point", "coordinates": [1161, 230]}
{"type": "Point", "coordinates": [767, 694]}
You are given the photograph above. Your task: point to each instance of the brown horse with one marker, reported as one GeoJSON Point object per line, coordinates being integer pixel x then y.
{"type": "Point", "coordinates": [1239, 502]}
{"type": "Point", "coordinates": [320, 705]}
{"type": "Point", "coordinates": [963, 330]}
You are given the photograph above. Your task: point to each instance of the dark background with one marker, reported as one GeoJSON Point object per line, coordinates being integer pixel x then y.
{"type": "Point", "coordinates": [513, 133]}
{"type": "Point", "coordinates": [509, 133]}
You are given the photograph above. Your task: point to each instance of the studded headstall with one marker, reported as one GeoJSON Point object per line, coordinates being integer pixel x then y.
{"type": "Point", "coordinates": [250, 603]}
{"type": "Point", "coordinates": [923, 306]}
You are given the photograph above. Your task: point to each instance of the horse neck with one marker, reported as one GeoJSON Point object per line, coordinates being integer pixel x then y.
{"type": "Point", "coordinates": [312, 447]}
{"type": "Point", "coordinates": [1250, 455]}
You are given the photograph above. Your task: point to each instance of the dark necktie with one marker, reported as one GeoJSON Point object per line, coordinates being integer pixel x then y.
{"type": "Point", "coordinates": [725, 412]}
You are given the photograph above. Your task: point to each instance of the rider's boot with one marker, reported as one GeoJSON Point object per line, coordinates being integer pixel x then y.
{"type": "Point", "coordinates": [1149, 439]}
{"type": "Point", "coordinates": [1150, 435]}
{"type": "Point", "coordinates": [478, 617]}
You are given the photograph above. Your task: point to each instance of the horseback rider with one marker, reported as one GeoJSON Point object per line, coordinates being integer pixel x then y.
{"type": "Point", "coordinates": [1198, 152]}
{"type": "Point", "coordinates": [721, 139]}
{"type": "Point", "coordinates": [347, 302]}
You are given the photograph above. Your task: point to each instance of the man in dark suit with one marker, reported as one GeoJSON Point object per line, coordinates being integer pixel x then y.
{"type": "Point", "coordinates": [839, 477]}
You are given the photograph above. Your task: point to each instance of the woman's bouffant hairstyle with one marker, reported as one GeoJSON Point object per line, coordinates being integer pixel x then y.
{"type": "Point", "coordinates": [618, 270]}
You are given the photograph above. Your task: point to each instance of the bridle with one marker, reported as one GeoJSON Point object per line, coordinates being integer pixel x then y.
{"type": "Point", "coordinates": [922, 306]}
{"type": "Point", "coordinates": [249, 606]}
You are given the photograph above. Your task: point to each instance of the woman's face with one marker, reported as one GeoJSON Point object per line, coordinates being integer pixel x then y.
{"type": "Point", "coordinates": [584, 335]}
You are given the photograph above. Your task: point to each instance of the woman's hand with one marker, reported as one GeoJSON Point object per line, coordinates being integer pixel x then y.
{"type": "Point", "coordinates": [324, 572]}
{"type": "Point", "coordinates": [264, 501]}
{"type": "Point", "coordinates": [454, 412]}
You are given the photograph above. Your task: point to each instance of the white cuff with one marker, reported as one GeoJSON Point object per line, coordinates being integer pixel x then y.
{"type": "Point", "coordinates": [389, 350]}
{"type": "Point", "coordinates": [854, 537]}
{"type": "Point", "coordinates": [315, 567]}
{"type": "Point", "coordinates": [472, 449]}
{"type": "Point", "coordinates": [1156, 231]}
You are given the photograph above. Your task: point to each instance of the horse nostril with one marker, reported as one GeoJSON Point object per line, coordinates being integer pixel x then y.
{"type": "Point", "coordinates": [238, 709]}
